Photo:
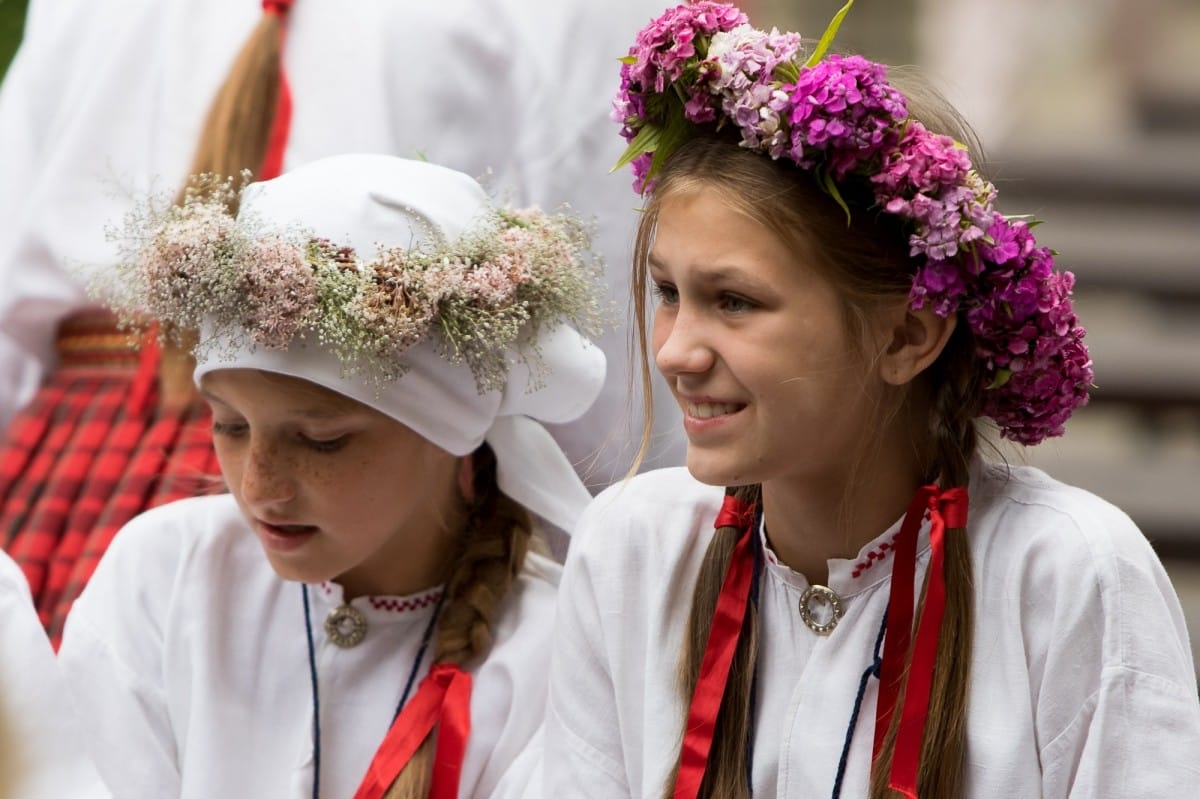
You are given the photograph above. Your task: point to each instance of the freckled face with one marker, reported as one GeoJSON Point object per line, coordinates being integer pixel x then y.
{"type": "Point", "coordinates": [752, 341]}
{"type": "Point", "coordinates": [333, 489]}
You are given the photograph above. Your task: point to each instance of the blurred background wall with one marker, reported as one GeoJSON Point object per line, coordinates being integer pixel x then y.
{"type": "Point", "coordinates": [1089, 111]}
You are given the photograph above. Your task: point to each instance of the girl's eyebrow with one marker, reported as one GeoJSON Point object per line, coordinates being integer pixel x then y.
{"type": "Point", "coordinates": [719, 274]}
{"type": "Point", "coordinates": [211, 397]}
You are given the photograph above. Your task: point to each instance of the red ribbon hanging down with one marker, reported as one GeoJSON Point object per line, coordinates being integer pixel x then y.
{"type": "Point", "coordinates": [444, 699]}
{"type": "Point", "coordinates": [947, 510]}
{"type": "Point", "coordinates": [718, 651]}
{"type": "Point", "coordinates": [145, 378]}
{"type": "Point", "coordinates": [272, 165]}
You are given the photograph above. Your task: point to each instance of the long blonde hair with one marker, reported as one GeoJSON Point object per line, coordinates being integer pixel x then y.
{"type": "Point", "coordinates": [868, 262]}
{"type": "Point", "coordinates": [492, 551]}
{"type": "Point", "coordinates": [233, 141]}
{"type": "Point", "coordinates": [237, 129]}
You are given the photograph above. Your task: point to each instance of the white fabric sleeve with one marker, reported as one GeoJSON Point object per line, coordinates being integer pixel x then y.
{"type": "Point", "coordinates": [41, 750]}
{"type": "Point", "coordinates": [29, 98]}
{"type": "Point", "coordinates": [523, 778]}
{"type": "Point", "coordinates": [583, 748]}
{"type": "Point", "coordinates": [112, 655]}
{"type": "Point", "coordinates": [1117, 710]}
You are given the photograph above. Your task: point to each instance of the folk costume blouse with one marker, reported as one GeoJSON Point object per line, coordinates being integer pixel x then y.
{"type": "Point", "coordinates": [41, 749]}
{"type": "Point", "coordinates": [1082, 681]}
{"type": "Point", "coordinates": [188, 658]}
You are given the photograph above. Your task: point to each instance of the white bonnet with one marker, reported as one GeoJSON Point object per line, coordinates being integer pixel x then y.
{"type": "Point", "coordinates": [373, 202]}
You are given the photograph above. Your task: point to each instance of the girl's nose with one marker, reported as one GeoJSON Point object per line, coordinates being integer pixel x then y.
{"type": "Point", "coordinates": [266, 478]}
{"type": "Point", "coordinates": [681, 346]}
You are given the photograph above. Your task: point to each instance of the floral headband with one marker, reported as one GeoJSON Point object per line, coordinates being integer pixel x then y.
{"type": "Point", "coordinates": [195, 266]}
{"type": "Point", "coordinates": [838, 118]}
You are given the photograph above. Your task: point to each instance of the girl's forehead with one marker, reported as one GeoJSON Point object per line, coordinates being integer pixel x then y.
{"type": "Point", "coordinates": [227, 384]}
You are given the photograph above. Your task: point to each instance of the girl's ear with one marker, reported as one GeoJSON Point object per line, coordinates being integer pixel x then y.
{"type": "Point", "coordinates": [466, 478]}
{"type": "Point", "coordinates": [914, 340]}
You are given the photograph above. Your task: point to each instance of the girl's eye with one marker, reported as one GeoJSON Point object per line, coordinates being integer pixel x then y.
{"type": "Point", "coordinates": [325, 445]}
{"type": "Point", "coordinates": [666, 293]}
{"type": "Point", "coordinates": [735, 304]}
{"type": "Point", "coordinates": [229, 429]}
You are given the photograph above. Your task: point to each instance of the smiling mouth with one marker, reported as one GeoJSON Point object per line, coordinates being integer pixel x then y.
{"type": "Point", "coordinates": [709, 410]}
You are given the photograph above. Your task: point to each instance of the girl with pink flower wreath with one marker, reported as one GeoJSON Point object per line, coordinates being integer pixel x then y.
{"type": "Point", "coordinates": [840, 595]}
{"type": "Point", "coordinates": [367, 612]}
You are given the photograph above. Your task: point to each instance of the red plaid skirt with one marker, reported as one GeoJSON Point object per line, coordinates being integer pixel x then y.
{"type": "Point", "coordinates": [92, 450]}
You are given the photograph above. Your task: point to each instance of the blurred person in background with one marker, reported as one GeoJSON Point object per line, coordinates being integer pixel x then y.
{"type": "Point", "coordinates": [41, 748]}
{"type": "Point", "coordinates": [107, 101]}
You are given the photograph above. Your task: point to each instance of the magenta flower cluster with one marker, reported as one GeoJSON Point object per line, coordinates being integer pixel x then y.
{"type": "Point", "coordinates": [663, 51]}
{"type": "Point", "coordinates": [703, 64]}
{"type": "Point", "coordinates": [843, 115]}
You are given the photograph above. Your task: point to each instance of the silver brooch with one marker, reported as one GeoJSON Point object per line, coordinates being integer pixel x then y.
{"type": "Point", "coordinates": [821, 609]}
{"type": "Point", "coordinates": [345, 626]}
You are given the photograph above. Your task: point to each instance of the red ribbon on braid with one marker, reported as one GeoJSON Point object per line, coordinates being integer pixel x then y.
{"type": "Point", "coordinates": [442, 699]}
{"type": "Point", "coordinates": [281, 126]}
{"type": "Point", "coordinates": [947, 510]}
{"type": "Point", "coordinates": [723, 637]}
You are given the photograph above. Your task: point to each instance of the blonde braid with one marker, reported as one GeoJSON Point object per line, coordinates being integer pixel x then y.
{"type": "Point", "coordinates": [494, 544]}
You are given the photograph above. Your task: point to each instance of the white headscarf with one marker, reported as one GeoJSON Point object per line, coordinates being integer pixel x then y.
{"type": "Point", "coordinates": [374, 202]}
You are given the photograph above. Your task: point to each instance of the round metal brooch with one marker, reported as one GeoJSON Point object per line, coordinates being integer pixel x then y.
{"type": "Point", "coordinates": [821, 609]}
{"type": "Point", "coordinates": [345, 626]}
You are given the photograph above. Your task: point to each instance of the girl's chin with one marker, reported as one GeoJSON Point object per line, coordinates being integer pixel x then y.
{"type": "Point", "coordinates": [717, 471]}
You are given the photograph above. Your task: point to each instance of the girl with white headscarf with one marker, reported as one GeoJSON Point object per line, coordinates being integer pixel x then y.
{"type": "Point", "coordinates": [366, 607]}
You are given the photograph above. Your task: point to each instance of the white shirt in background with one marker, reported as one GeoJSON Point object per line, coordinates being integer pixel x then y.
{"type": "Point", "coordinates": [41, 750]}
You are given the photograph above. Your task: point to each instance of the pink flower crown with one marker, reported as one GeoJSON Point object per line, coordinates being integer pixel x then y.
{"type": "Point", "coordinates": [703, 65]}
{"type": "Point", "coordinates": [480, 299]}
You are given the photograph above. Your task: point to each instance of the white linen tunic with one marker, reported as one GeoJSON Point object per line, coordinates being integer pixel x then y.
{"type": "Point", "coordinates": [188, 658]}
{"type": "Point", "coordinates": [41, 751]}
{"type": "Point", "coordinates": [1082, 682]}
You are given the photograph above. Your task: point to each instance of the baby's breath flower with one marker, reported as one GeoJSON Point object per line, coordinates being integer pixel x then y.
{"type": "Point", "coordinates": [480, 299]}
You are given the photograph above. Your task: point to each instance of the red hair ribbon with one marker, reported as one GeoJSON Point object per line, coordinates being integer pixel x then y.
{"type": "Point", "coordinates": [281, 126]}
{"type": "Point", "coordinates": [947, 510]}
{"type": "Point", "coordinates": [443, 699]}
{"type": "Point", "coordinates": [735, 513]}
{"type": "Point", "coordinates": [718, 652]}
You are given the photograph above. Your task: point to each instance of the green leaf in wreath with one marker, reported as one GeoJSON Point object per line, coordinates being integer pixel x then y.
{"type": "Point", "coordinates": [831, 187]}
{"type": "Point", "coordinates": [828, 36]}
{"type": "Point", "coordinates": [1002, 377]}
{"type": "Point", "coordinates": [646, 141]}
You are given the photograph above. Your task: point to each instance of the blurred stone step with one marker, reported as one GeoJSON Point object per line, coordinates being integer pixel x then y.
{"type": "Point", "coordinates": [1157, 171]}
{"type": "Point", "coordinates": [1152, 250]}
{"type": "Point", "coordinates": [1146, 354]}
{"type": "Point", "coordinates": [1152, 473]}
